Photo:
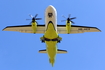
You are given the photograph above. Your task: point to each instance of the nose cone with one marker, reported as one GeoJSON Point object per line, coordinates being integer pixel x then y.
{"type": "Point", "coordinates": [50, 7]}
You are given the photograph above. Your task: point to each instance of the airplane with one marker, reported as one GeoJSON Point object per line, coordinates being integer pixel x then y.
{"type": "Point", "coordinates": [51, 31]}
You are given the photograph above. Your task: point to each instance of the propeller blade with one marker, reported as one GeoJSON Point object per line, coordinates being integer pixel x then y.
{"type": "Point", "coordinates": [63, 20]}
{"type": "Point", "coordinates": [36, 15]}
{"type": "Point", "coordinates": [63, 16]}
{"type": "Point", "coordinates": [28, 19]}
{"type": "Point", "coordinates": [31, 16]}
{"type": "Point", "coordinates": [72, 22]}
{"type": "Point", "coordinates": [30, 23]}
{"type": "Point", "coordinates": [73, 18]}
{"type": "Point", "coordinates": [38, 18]}
{"type": "Point", "coordinates": [69, 15]}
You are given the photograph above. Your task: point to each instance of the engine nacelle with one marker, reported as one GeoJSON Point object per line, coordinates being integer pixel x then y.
{"type": "Point", "coordinates": [68, 26]}
{"type": "Point", "coordinates": [34, 26]}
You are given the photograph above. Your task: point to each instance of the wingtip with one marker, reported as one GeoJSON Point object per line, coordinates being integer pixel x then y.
{"type": "Point", "coordinates": [3, 29]}
{"type": "Point", "coordinates": [99, 30]}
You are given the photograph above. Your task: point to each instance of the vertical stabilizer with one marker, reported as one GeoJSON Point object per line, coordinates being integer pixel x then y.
{"type": "Point", "coordinates": [52, 61]}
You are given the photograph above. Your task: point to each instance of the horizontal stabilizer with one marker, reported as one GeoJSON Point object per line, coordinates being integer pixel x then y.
{"type": "Point", "coordinates": [58, 51]}
{"type": "Point", "coordinates": [43, 51]}
{"type": "Point", "coordinates": [61, 51]}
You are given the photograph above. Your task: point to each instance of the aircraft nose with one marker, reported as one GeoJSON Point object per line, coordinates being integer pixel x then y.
{"type": "Point", "coordinates": [50, 7]}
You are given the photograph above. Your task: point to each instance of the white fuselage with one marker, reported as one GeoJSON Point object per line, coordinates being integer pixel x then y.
{"type": "Point", "coordinates": [51, 15]}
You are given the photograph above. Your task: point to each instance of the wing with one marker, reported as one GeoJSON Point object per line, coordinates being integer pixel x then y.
{"type": "Point", "coordinates": [76, 29]}
{"type": "Point", "coordinates": [25, 28]}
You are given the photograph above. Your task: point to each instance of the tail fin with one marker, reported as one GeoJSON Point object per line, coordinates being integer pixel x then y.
{"type": "Point", "coordinates": [58, 51]}
{"type": "Point", "coordinates": [52, 61]}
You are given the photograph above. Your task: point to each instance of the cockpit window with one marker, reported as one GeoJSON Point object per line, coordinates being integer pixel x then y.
{"type": "Point", "coordinates": [50, 15]}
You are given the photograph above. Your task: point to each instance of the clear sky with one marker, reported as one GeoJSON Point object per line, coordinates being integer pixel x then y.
{"type": "Point", "coordinates": [19, 51]}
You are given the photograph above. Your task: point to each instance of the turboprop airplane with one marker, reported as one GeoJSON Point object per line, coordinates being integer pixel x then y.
{"type": "Point", "coordinates": [51, 31]}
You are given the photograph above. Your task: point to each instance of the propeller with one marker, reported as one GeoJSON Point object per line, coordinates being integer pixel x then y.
{"type": "Point", "coordinates": [34, 18]}
{"type": "Point", "coordinates": [69, 19]}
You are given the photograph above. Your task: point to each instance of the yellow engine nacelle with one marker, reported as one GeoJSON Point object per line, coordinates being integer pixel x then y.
{"type": "Point", "coordinates": [34, 27]}
{"type": "Point", "coordinates": [68, 26]}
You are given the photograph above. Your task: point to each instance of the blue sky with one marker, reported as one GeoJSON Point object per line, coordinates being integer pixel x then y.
{"type": "Point", "coordinates": [19, 51]}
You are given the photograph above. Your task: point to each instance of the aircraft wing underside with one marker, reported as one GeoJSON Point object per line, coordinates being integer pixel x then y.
{"type": "Point", "coordinates": [61, 29]}
{"type": "Point", "coordinates": [76, 29]}
{"type": "Point", "coordinates": [25, 28]}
